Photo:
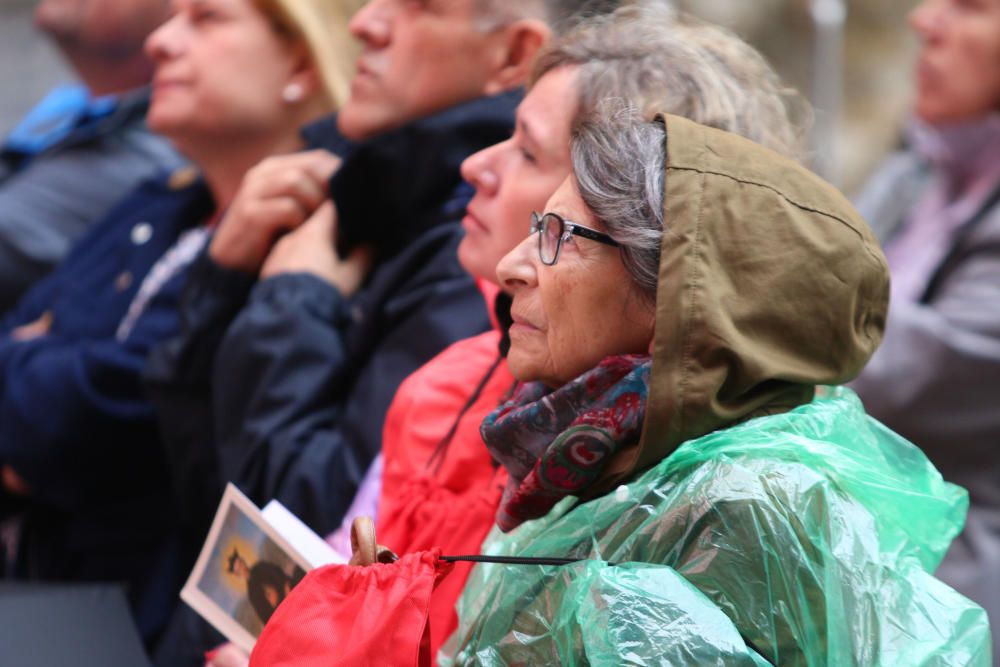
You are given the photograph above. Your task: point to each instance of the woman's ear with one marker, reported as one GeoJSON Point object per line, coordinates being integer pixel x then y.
{"type": "Point", "coordinates": [519, 44]}
{"type": "Point", "coordinates": [307, 81]}
{"type": "Point", "coordinates": [304, 76]}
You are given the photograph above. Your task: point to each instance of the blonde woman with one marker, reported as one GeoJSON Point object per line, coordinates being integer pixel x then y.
{"type": "Point", "coordinates": [235, 81]}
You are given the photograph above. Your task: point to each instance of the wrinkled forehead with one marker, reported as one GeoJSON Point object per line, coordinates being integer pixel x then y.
{"type": "Point", "coordinates": [567, 203]}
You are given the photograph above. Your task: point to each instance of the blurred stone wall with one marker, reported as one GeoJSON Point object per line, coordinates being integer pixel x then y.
{"type": "Point", "coordinates": [878, 54]}
{"type": "Point", "coordinates": [29, 65]}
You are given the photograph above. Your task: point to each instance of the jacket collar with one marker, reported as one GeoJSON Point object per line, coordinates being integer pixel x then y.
{"type": "Point", "coordinates": [395, 186]}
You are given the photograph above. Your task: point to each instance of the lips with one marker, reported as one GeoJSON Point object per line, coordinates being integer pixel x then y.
{"type": "Point", "coordinates": [521, 321]}
{"type": "Point", "coordinates": [471, 220]}
{"type": "Point", "coordinates": [163, 83]}
{"type": "Point", "coordinates": [926, 72]}
{"type": "Point", "coordinates": [364, 82]}
{"type": "Point", "coordinates": [363, 70]}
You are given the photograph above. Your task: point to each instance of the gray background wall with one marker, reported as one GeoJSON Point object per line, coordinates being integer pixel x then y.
{"type": "Point", "coordinates": [29, 66]}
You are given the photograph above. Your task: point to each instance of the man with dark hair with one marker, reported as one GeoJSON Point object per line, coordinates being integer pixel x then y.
{"type": "Point", "coordinates": [84, 146]}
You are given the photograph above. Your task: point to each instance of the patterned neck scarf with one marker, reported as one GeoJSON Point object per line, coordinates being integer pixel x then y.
{"type": "Point", "coordinates": [556, 443]}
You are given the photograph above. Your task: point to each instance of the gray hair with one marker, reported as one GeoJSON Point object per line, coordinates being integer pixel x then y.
{"type": "Point", "coordinates": [640, 61]}
{"type": "Point", "coordinates": [660, 61]}
{"type": "Point", "coordinates": [559, 14]}
{"type": "Point", "coordinates": [618, 161]}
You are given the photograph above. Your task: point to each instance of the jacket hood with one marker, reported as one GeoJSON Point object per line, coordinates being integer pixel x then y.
{"type": "Point", "coordinates": [770, 283]}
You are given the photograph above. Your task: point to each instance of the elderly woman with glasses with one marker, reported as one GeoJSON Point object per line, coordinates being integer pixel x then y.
{"type": "Point", "coordinates": [676, 306]}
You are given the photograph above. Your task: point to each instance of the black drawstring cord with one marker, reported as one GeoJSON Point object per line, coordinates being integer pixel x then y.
{"type": "Point", "coordinates": [512, 560]}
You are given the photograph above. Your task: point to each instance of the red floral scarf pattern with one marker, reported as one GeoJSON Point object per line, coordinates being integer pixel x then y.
{"type": "Point", "coordinates": [555, 443]}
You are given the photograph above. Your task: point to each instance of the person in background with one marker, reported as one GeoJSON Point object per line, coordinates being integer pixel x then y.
{"type": "Point", "coordinates": [84, 146]}
{"type": "Point", "coordinates": [81, 461]}
{"type": "Point", "coordinates": [936, 208]}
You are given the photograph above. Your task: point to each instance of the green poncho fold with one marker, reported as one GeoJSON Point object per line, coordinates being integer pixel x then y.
{"type": "Point", "coordinates": [806, 538]}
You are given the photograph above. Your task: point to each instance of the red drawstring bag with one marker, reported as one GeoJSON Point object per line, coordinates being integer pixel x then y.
{"type": "Point", "coordinates": [355, 615]}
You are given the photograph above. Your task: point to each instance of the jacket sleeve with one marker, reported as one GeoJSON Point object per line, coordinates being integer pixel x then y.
{"type": "Point", "coordinates": [298, 417]}
{"type": "Point", "coordinates": [177, 379]}
{"type": "Point", "coordinates": [933, 378]}
{"type": "Point", "coordinates": [99, 436]}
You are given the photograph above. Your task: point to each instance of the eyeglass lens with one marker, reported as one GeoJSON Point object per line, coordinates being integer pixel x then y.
{"type": "Point", "coordinates": [549, 238]}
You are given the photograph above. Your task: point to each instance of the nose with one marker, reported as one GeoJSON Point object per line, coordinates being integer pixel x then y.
{"type": "Point", "coordinates": [926, 19]}
{"type": "Point", "coordinates": [164, 42]}
{"type": "Point", "coordinates": [479, 169]}
{"type": "Point", "coordinates": [372, 24]}
{"type": "Point", "coordinates": [517, 270]}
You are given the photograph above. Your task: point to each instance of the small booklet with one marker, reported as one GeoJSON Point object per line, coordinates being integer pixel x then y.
{"type": "Point", "coordinates": [251, 560]}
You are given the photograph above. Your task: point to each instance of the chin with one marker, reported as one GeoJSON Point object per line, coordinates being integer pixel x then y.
{"type": "Point", "coordinates": [473, 264]}
{"type": "Point", "coordinates": [171, 128]}
{"type": "Point", "coordinates": [362, 119]}
{"type": "Point", "coordinates": [940, 109]}
{"type": "Point", "coordinates": [159, 122]}
{"type": "Point", "coordinates": [470, 267]}
{"type": "Point", "coordinates": [522, 371]}
{"type": "Point", "coordinates": [358, 121]}
{"type": "Point", "coordinates": [166, 114]}
{"type": "Point", "coordinates": [935, 116]}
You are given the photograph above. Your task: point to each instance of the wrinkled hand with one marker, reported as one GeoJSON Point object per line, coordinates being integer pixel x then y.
{"type": "Point", "coordinates": [39, 327]}
{"type": "Point", "coordinates": [227, 655]}
{"type": "Point", "coordinates": [276, 196]}
{"type": "Point", "coordinates": [310, 249]}
{"type": "Point", "coordinates": [12, 482]}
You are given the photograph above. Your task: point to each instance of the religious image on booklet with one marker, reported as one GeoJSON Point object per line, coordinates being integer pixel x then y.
{"type": "Point", "coordinates": [248, 565]}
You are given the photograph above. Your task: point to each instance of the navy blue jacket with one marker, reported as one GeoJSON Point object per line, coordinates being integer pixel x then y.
{"type": "Point", "coordinates": [300, 377]}
{"type": "Point", "coordinates": [83, 166]}
{"type": "Point", "coordinates": [73, 420]}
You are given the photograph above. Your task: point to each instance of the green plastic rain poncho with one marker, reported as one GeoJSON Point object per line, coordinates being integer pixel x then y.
{"type": "Point", "coordinates": [768, 527]}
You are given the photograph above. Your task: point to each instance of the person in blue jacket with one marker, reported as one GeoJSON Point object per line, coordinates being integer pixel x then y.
{"type": "Point", "coordinates": [85, 145]}
{"type": "Point", "coordinates": [79, 451]}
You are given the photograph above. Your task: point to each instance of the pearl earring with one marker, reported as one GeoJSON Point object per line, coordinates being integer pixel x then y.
{"type": "Point", "coordinates": [293, 93]}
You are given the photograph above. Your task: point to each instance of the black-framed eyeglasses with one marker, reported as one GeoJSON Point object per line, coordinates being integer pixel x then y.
{"type": "Point", "coordinates": [553, 229]}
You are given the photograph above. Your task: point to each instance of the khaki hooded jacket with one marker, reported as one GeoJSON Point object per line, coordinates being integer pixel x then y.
{"type": "Point", "coordinates": [755, 522]}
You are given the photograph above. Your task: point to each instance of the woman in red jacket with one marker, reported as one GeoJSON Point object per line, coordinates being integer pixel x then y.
{"type": "Point", "coordinates": [440, 487]}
